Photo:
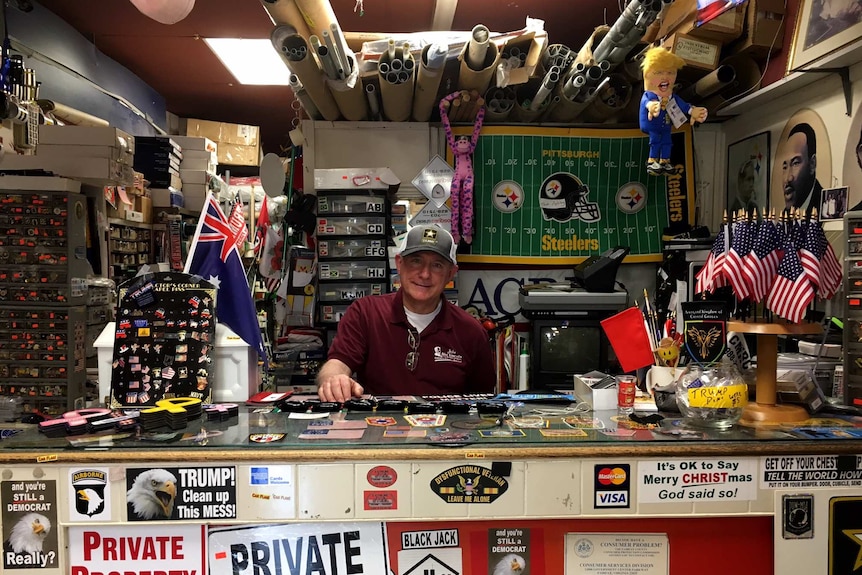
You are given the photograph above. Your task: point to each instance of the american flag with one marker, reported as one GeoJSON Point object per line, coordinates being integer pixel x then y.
{"type": "Point", "coordinates": [819, 261]}
{"type": "Point", "coordinates": [214, 255]}
{"type": "Point", "coordinates": [761, 263]}
{"type": "Point", "coordinates": [743, 240]}
{"type": "Point", "coordinates": [711, 275]}
{"type": "Point", "coordinates": [792, 291]}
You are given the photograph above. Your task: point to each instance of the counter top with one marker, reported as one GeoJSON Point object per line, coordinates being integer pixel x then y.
{"type": "Point", "coordinates": [590, 434]}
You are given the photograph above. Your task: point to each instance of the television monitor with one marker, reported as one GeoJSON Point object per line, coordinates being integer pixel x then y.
{"type": "Point", "coordinates": [710, 9]}
{"type": "Point", "coordinates": [561, 348]}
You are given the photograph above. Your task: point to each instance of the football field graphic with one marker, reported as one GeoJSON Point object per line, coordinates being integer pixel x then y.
{"type": "Point", "coordinates": [558, 195]}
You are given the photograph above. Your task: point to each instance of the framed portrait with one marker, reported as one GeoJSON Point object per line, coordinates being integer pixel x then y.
{"type": "Point", "coordinates": [801, 164]}
{"type": "Point", "coordinates": [748, 174]}
{"type": "Point", "coordinates": [833, 203]}
{"type": "Point", "coordinates": [823, 26]}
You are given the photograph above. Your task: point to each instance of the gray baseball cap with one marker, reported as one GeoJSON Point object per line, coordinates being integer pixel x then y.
{"type": "Point", "coordinates": [430, 239]}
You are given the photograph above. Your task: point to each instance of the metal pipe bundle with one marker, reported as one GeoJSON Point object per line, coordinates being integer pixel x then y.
{"type": "Point", "coordinates": [306, 69]}
{"type": "Point", "coordinates": [499, 103]}
{"type": "Point", "coordinates": [628, 29]}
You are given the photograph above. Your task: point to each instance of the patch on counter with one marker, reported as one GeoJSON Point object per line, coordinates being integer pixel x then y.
{"type": "Point", "coordinates": [798, 516]}
{"type": "Point", "coordinates": [469, 484]}
{"type": "Point", "coordinates": [381, 476]}
{"type": "Point", "coordinates": [612, 485]}
{"type": "Point", "coordinates": [265, 437]}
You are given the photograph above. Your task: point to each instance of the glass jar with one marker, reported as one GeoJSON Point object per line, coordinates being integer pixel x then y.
{"type": "Point", "coordinates": [712, 397]}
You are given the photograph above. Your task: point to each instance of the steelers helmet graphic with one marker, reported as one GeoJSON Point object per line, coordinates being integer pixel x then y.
{"type": "Point", "coordinates": [563, 197]}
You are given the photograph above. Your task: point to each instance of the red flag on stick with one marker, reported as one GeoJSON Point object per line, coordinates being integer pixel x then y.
{"type": "Point", "coordinates": [629, 338]}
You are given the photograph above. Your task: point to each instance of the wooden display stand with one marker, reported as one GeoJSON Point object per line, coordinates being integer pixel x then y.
{"type": "Point", "coordinates": [764, 410]}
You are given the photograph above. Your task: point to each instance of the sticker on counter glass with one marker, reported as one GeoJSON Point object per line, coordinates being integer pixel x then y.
{"type": "Point", "coordinates": [469, 484]}
{"type": "Point", "coordinates": [181, 493]}
{"type": "Point", "coordinates": [299, 548]}
{"type": "Point", "coordinates": [418, 561]}
{"type": "Point", "coordinates": [89, 496]}
{"type": "Point", "coordinates": [845, 522]}
{"type": "Point", "coordinates": [137, 549]}
{"type": "Point", "coordinates": [612, 484]}
{"type": "Point", "coordinates": [688, 480]}
{"type": "Point", "coordinates": [381, 476]}
{"type": "Point", "coordinates": [430, 538]}
{"type": "Point", "coordinates": [265, 437]}
{"type": "Point", "coordinates": [272, 492]}
{"type": "Point", "coordinates": [797, 516]}
{"type": "Point", "coordinates": [634, 553]}
{"type": "Point", "coordinates": [29, 519]}
{"type": "Point", "coordinates": [386, 500]}
{"type": "Point", "coordinates": [805, 471]}
{"type": "Point", "coordinates": [509, 550]}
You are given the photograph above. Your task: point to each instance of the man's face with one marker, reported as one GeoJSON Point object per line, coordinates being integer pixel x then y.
{"type": "Point", "coordinates": [797, 171]}
{"type": "Point", "coordinates": [424, 275]}
{"type": "Point", "coordinates": [660, 81]}
{"type": "Point", "coordinates": [745, 185]}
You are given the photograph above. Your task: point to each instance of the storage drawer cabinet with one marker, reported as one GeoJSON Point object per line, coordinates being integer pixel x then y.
{"type": "Point", "coordinates": [43, 356]}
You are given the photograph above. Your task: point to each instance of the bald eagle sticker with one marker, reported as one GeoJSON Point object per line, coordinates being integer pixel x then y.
{"type": "Point", "coordinates": [159, 494]}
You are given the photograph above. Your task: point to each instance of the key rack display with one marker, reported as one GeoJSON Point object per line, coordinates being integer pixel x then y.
{"type": "Point", "coordinates": [352, 229]}
{"type": "Point", "coordinates": [852, 391]}
{"type": "Point", "coordinates": [43, 290]}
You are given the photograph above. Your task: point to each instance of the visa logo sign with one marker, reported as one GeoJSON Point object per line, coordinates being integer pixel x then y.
{"type": "Point", "coordinates": [612, 498]}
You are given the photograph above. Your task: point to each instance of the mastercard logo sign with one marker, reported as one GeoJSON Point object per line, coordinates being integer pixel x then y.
{"type": "Point", "coordinates": [612, 476]}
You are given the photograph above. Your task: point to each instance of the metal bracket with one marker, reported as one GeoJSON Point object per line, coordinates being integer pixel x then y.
{"type": "Point", "coordinates": [844, 73]}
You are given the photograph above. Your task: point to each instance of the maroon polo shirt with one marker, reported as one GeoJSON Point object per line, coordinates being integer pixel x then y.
{"type": "Point", "coordinates": [454, 352]}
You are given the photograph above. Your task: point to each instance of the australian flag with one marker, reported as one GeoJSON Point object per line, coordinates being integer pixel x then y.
{"type": "Point", "coordinates": [214, 255]}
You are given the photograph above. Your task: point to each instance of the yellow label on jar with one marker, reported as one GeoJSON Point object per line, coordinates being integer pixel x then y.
{"type": "Point", "coordinates": [729, 396]}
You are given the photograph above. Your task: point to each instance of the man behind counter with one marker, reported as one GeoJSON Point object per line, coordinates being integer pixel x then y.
{"type": "Point", "coordinates": [413, 341]}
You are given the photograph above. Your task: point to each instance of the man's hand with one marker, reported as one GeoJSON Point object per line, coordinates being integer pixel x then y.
{"type": "Point", "coordinates": [338, 388]}
{"type": "Point", "coordinates": [653, 108]}
{"type": "Point", "coordinates": [698, 114]}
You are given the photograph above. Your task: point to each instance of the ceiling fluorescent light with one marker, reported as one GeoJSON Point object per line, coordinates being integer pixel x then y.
{"type": "Point", "coordinates": [251, 61]}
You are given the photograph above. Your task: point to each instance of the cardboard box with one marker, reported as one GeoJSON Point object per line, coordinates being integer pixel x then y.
{"type": "Point", "coordinates": [117, 203]}
{"type": "Point", "coordinates": [533, 45]}
{"type": "Point", "coordinates": [763, 30]}
{"type": "Point", "coordinates": [167, 198]}
{"type": "Point", "coordinates": [93, 171]}
{"type": "Point", "coordinates": [86, 136]}
{"type": "Point", "coordinates": [681, 17]}
{"type": "Point", "coordinates": [194, 177]}
{"type": "Point", "coordinates": [199, 160]}
{"type": "Point", "coordinates": [235, 155]}
{"type": "Point", "coordinates": [598, 399]}
{"type": "Point", "coordinates": [202, 164]}
{"type": "Point", "coordinates": [356, 179]}
{"type": "Point", "coordinates": [195, 144]}
{"type": "Point", "coordinates": [697, 52]}
{"type": "Point", "coordinates": [194, 196]}
{"type": "Point", "coordinates": [144, 206]}
{"type": "Point", "coordinates": [115, 153]}
{"type": "Point", "coordinates": [222, 132]}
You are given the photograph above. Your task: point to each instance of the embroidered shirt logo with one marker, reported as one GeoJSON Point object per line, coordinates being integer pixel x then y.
{"type": "Point", "coordinates": [449, 356]}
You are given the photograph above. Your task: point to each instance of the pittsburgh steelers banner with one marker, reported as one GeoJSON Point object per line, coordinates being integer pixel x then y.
{"type": "Point", "coordinates": [558, 195]}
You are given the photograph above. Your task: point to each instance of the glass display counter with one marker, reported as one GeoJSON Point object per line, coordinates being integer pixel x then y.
{"type": "Point", "coordinates": [464, 491]}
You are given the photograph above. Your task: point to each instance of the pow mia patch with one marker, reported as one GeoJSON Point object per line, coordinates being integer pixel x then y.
{"type": "Point", "coordinates": [798, 516]}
